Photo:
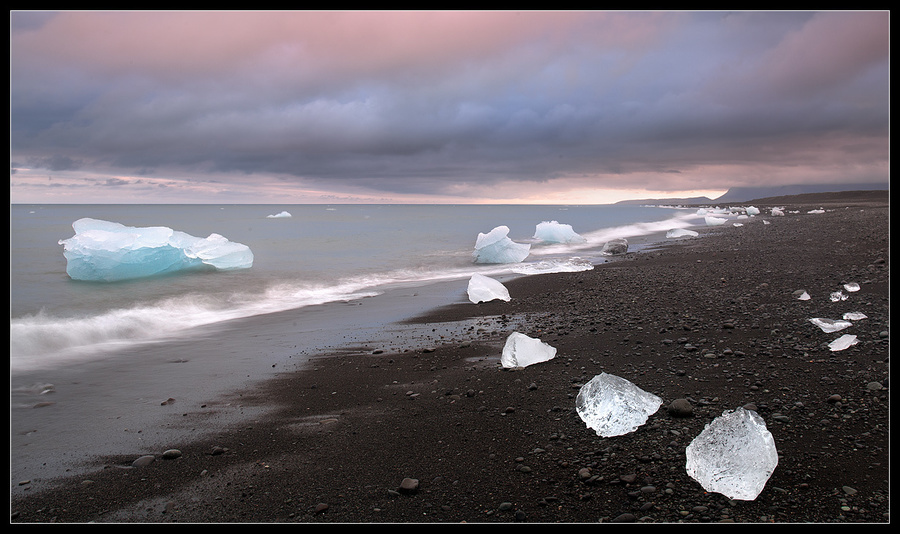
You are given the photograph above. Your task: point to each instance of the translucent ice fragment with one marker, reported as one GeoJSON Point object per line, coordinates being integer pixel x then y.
{"type": "Point", "coordinates": [282, 215]}
{"type": "Point", "coordinates": [800, 294]}
{"type": "Point", "coordinates": [714, 221]}
{"type": "Point", "coordinates": [615, 246]}
{"type": "Point", "coordinates": [613, 406]}
{"type": "Point", "coordinates": [496, 247]}
{"type": "Point", "coordinates": [851, 287]}
{"type": "Point", "coordinates": [108, 251]}
{"type": "Point", "coordinates": [830, 325]}
{"type": "Point", "coordinates": [554, 232]}
{"type": "Point", "coordinates": [854, 316]}
{"type": "Point", "coordinates": [484, 289]}
{"type": "Point", "coordinates": [734, 455]}
{"type": "Point", "coordinates": [522, 351]}
{"type": "Point", "coordinates": [843, 342]}
{"type": "Point", "coordinates": [752, 210]}
{"type": "Point", "coordinates": [837, 295]}
{"type": "Point", "coordinates": [681, 232]}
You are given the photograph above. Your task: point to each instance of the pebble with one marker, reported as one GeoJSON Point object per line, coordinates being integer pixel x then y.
{"type": "Point", "coordinates": [681, 408]}
{"type": "Point", "coordinates": [143, 461]}
{"type": "Point", "coordinates": [409, 486]}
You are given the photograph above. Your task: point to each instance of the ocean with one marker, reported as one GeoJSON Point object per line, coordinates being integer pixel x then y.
{"type": "Point", "coordinates": [106, 368]}
{"type": "Point", "coordinates": [319, 254]}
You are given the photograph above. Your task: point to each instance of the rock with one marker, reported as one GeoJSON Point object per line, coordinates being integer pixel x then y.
{"type": "Point", "coordinates": [680, 408]}
{"type": "Point", "coordinates": [171, 454]}
{"type": "Point", "coordinates": [143, 461]}
{"type": "Point", "coordinates": [408, 486]}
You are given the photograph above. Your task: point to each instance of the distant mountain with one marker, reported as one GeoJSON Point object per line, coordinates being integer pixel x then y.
{"type": "Point", "coordinates": [746, 194]}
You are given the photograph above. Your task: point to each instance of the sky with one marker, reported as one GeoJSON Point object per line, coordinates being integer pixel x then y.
{"type": "Point", "coordinates": [560, 107]}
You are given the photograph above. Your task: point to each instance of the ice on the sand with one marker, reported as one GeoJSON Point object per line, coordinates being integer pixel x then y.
{"type": "Point", "coordinates": [777, 212]}
{"type": "Point", "coordinates": [843, 342]}
{"type": "Point", "coordinates": [851, 287]}
{"type": "Point", "coordinates": [734, 455]}
{"type": "Point", "coordinates": [613, 406]}
{"type": "Point", "coordinates": [855, 316]}
{"type": "Point", "coordinates": [837, 295]}
{"type": "Point", "coordinates": [752, 210]}
{"type": "Point", "coordinates": [496, 247]}
{"type": "Point", "coordinates": [714, 221]}
{"type": "Point", "coordinates": [484, 289]}
{"type": "Point", "coordinates": [830, 325]}
{"type": "Point", "coordinates": [555, 232]}
{"type": "Point", "coordinates": [615, 246]}
{"type": "Point", "coordinates": [109, 251]}
{"type": "Point", "coordinates": [522, 351]}
{"type": "Point", "coordinates": [801, 294]}
{"type": "Point", "coordinates": [681, 232]}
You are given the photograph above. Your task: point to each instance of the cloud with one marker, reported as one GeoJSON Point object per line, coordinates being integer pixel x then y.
{"type": "Point", "coordinates": [453, 102]}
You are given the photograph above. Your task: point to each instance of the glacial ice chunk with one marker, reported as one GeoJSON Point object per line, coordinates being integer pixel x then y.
{"type": "Point", "coordinates": [837, 296]}
{"type": "Point", "coordinates": [282, 215]}
{"type": "Point", "coordinates": [734, 455]}
{"type": "Point", "coordinates": [522, 351]}
{"type": "Point", "coordinates": [851, 287]}
{"type": "Point", "coordinates": [801, 294]}
{"type": "Point", "coordinates": [496, 247]}
{"type": "Point", "coordinates": [777, 212]}
{"type": "Point", "coordinates": [484, 289]}
{"type": "Point", "coordinates": [855, 316]}
{"type": "Point", "coordinates": [752, 210]}
{"type": "Point", "coordinates": [830, 325]}
{"type": "Point", "coordinates": [613, 406]}
{"type": "Point", "coordinates": [555, 232]}
{"type": "Point", "coordinates": [714, 221]}
{"type": "Point", "coordinates": [108, 251]}
{"type": "Point", "coordinates": [844, 342]}
{"type": "Point", "coordinates": [681, 232]}
{"type": "Point", "coordinates": [615, 246]}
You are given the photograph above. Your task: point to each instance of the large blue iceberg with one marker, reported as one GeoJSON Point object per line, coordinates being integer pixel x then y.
{"type": "Point", "coordinates": [108, 251]}
{"type": "Point", "coordinates": [496, 247]}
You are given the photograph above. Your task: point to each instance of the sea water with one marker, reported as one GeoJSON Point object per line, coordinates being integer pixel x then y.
{"type": "Point", "coordinates": [319, 254]}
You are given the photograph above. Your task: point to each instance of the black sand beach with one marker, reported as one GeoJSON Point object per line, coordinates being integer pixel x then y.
{"type": "Point", "coordinates": [430, 429]}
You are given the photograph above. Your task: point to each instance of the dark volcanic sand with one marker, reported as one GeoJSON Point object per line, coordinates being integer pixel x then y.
{"type": "Point", "coordinates": [711, 320]}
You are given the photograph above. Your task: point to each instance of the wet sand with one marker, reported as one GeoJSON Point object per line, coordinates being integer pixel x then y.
{"type": "Point", "coordinates": [327, 432]}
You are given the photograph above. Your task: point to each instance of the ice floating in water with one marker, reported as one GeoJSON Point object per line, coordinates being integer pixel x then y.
{"type": "Point", "coordinates": [830, 325]}
{"type": "Point", "coordinates": [108, 251]}
{"type": "Point", "coordinates": [282, 215]}
{"type": "Point", "coordinates": [855, 316]}
{"type": "Point", "coordinates": [843, 342]}
{"type": "Point", "coordinates": [734, 455]}
{"type": "Point", "coordinates": [496, 247]}
{"type": "Point", "coordinates": [554, 232]}
{"type": "Point", "coordinates": [714, 221]}
{"type": "Point", "coordinates": [615, 246]}
{"type": "Point", "coordinates": [485, 289]}
{"type": "Point", "coordinates": [522, 351]}
{"type": "Point", "coordinates": [801, 295]}
{"type": "Point", "coordinates": [851, 287]}
{"type": "Point", "coordinates": [681, 232]}
{"type": "Point", "coordinates": [613, 406]}
{"type": "Point", "coordinates": [837, 295]}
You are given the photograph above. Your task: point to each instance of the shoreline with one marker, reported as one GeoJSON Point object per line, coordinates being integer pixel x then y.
{"type": "Point", "coordinates": [339, 435]}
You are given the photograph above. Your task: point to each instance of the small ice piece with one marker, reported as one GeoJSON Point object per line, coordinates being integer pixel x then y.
{"type": "Point", "coordinates": [801, 294]}
{"type": "Point", "coordinates": [843, 342]}
{"type": "Point", "coordinates": [738, 224]}
{"type": "Point", "coordinates": [777, 212]}
{"type": "Point", "coordinates": [855, 316]}
{"type": "Point", "coordinates": [816, 211]}
{"type": "Point", "coordinates": [613, 406]}
{"type": "Point", "coordinates": [752, 210]}
{"type": "Point", "coordinates": [522, 351]}
{"type": "Point", "coordinates": [837, 295]}
{"type": "Point", "coordinates": [485, 289]}
{"type": "Point", "coordinates": [851, 287]}
{"type": "Point", "coordinates": [830, 325]}
{"type": "Point", "coordinates": [681, 232]}
{"type": "Point", "coordinates": [106, 251]}
{"type": "Point", "coordinates": [615, 246]}
{"type": "Point", "coordinates": [734, 455]}
{"type": "Point", "coordinates": [714, 221]}
{"type": "Point", "coordinates": [496, 247]}
{"type": "Point", "coordinates": [282, 215]}
{"type": "Point", "coordinates": [555, 232]}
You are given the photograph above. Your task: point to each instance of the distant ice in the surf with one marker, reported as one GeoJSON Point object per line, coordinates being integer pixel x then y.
{"type": "Point", "coordinates": [282, 215]}
{"type": "Point", "coordinates": [109, 251]}
{"type": "Point", "coordinates": [734, 455]}
{"type": "Point", "coordinates": [830, 325]}
{"type": "Point", "coordinates": [714, 221]}
{"type": "Point", "coordinates": [681, 232]}
{"type": "Point", "coordinates": [615, 246]}
{"type": "Point", "coordinates": [816, 211]}
{"type": "Point", "coordinates": [571, 265]}
{"type": "Point", "coordinates": [752, 210]}
{"type": "Point", "coordinates": [485, 289]}
{"type": "Point", "coordinates": [555, 232]}
{"type": "Point", "coordinates": [522, 351]}
{"type": "Point", "coordinates": [777, 212]}
{"type": "Point", "coordinates": [613, 406]}
{"type": "Point", "coordinates": [496, 247]}
{"type": "Point", "coordinates": [844, 342]}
